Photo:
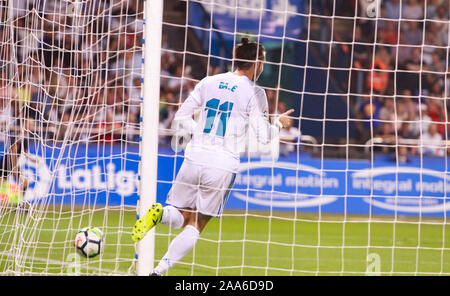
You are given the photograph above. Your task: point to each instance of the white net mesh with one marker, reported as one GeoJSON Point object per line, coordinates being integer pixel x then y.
{"type": "Point", "coordinates": [360, 185]}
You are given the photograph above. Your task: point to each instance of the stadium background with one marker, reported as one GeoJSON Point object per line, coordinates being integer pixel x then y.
{"type": "Point", "coordinates": [350, 112]}
{"type": "Point", "coordinates": [373, 99]}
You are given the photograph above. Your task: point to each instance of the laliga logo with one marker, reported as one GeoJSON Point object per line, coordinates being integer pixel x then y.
{"type": "Point", "coordinates": [42, 179]}
{"type": "Point", "coordinates": [316, 179]}
{"type": "Point", "coordinates": [418, 190]}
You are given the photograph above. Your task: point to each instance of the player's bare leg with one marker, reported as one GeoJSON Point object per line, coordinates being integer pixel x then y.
{"type": "Point", "coordinates": [181, 245]}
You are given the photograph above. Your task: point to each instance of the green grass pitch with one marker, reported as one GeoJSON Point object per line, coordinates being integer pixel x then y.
{"type": "Point", "coordinates": [255, 244]}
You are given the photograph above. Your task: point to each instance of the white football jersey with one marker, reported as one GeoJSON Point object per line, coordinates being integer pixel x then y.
{"type": "Point", "coordinates": [228, 104]}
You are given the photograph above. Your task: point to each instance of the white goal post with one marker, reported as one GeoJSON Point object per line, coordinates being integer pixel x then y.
{"type": "Point", "coordinates": [70, 130]}
{"type": "Point", "coordinates": [150, 118]}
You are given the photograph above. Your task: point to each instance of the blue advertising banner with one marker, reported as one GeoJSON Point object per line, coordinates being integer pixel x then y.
{"type": "Point", "coordinates": [82, 174]}
{"type": "Point", "coordinates": [108, 175]}
{"type": "Point", "coordinates": [419, 187]}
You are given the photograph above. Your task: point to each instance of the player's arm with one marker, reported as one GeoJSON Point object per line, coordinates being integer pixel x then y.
{"type": "Point", "coordinates": [183, 119]}
{"type": "Point", "coordinates": [259, 119]}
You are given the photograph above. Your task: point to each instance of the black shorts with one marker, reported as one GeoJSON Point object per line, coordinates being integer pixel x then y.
{"type": "Point", "coordinates": [6, 162]}
{"type": "Point", "coordinates": [6, 166]}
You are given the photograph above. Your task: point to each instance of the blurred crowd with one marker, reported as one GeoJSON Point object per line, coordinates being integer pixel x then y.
{"type": "Point", "coordinates": [75, 72]}
{"type": "Point", "coordinates": [72, 69]}
{"type": "Point", "coordinates": [401, 72]}
{"type": "Point", "coordinates": [400, 77]}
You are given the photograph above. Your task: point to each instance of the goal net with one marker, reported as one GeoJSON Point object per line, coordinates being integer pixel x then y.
{"type": "Point", "coordinates": [358, 182]}
{"type": "Point", "coordinates": [359, 186]}
{"type": "Point", "coordinates": [69, 112]}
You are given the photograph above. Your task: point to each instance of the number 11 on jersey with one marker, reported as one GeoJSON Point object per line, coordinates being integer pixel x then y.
{"type": "Point", "coordinates": [213, 108]}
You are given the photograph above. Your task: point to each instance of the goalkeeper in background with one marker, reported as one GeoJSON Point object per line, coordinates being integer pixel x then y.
{"type": "Point", "coordinates": [13, 184]}
{"type": "Point", "coordinates": [231, 103]}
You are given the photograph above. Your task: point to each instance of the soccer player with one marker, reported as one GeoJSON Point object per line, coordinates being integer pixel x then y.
{"type": "Point", "coordinates": [231, 103]}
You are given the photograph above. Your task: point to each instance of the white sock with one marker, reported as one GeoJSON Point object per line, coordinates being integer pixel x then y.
{"type": "Point", "coordinates": [178, 248]}
{"type": "Point", "coordinates": [172, 217]}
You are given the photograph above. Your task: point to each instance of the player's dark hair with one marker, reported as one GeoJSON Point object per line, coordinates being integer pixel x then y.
{"type": "Point", "coordinates": [246, 53]}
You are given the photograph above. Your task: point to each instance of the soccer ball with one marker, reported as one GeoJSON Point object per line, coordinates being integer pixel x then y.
{"type": "Point", "coordinates": [89, 242]}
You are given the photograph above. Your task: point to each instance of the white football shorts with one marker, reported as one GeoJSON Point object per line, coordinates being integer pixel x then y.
{"type": "Point", "coordinates": [200, 187]}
